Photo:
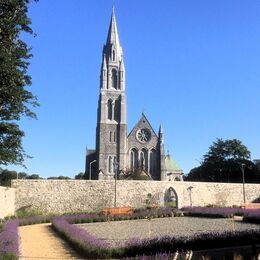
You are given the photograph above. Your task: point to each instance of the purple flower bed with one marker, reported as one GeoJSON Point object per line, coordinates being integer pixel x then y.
{"type": "Point", "coordinates": [214, 212]}
{"type": "Point", "coordinates": [82, 241]}
{"type": "Point", "coordinates": [138, 214]}
{"type": "Point", "coordinates": [34, 220]}
{"type": "Point", "coordinates": [252, 216]}
{"type": "Point", "coordinates": [9, 240]}
{"type": "Point", "coordinates": [200, 241]}
{"type": "Point", "coordinates": [160, 256]}
{"type": "Point", "coordinates": [92, 247]}
{"type": "Point", "coordinates": [85, 218]}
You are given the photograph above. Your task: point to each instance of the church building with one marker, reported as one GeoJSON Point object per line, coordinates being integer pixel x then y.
{"type": "Point", "coordinates": [118, 152]}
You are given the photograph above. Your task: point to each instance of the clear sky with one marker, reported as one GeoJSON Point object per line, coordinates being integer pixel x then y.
{"type": "Point", "coordinates": [192, 65]}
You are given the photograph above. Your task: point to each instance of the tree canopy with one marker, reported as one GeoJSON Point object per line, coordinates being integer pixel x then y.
{"type": "Point", "coordinates": [15, 100]}
{"type": "Point", "coordinates": [223, 162]}
{"type": "Point", "coordinates": [6, 176]}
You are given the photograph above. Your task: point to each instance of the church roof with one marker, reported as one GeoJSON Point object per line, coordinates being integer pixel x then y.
{"type": "Point", "coordinates": [170, 164]}
{"type": "Point", "coordinates": [144, 120]}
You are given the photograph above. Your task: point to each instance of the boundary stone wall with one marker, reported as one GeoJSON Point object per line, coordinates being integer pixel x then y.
{"type": "Point", "coordinates": [82, 195]}
{"type": "Point", "coordinates": [7, 201]}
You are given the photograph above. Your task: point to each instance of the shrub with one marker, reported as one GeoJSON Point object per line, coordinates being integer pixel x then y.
{"type": "Point", "coordinates": [200, 241]}
{"type": "Point", "coordinates": [9, 240]}
{"type": "Point", "coordinates": [34, 220]}
{"type": "Point", "coordinates": [81, 240]}
{"type": "Point", "coordinates": [252, 216]}
{"type": "Point", "coordinates": [93, 247]}
{"type": "Point", "coordinates": [212, 212]}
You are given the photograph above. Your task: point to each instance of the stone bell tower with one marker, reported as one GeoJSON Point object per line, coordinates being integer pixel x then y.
{"type": "Point", "coordinates": [111, 135]}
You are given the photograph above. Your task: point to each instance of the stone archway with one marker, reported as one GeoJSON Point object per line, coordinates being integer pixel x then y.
{"type": "Point", "coordinates": [171, 198]}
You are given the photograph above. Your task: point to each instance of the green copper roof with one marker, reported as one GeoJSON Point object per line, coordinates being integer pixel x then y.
{"type": "Point", "coordinates": [171, 164]}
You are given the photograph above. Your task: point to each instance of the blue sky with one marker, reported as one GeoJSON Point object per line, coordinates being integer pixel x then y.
{"type": "Point", "coordinates": [191, 65]}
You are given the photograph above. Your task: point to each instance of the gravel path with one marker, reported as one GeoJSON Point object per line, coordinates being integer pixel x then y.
{"type": "Point", "coordinates": [41, 242]}
{"type": "Point", "coordinates": [119, 231]}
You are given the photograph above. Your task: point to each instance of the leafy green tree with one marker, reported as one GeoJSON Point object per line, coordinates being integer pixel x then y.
{"type": "Point", "coordinates": [137, 174]}
{"type": "Point", "coordinates": [222, 163]}
{"type": "Point", "coordinates": [33, 177]}
{"type": "Point", "coordinates": [15, 100]}
{"type": "Point", "coordinates": [6, 176]}
{"type": "Point", "coordinates": [80, 176]}
{"type": "Point", "coordinates": [59, 178]}
{"type": "Point", "coordinates": [225, 150]}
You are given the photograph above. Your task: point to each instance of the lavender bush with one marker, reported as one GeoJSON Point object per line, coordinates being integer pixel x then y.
{"type": "Point", "coordinates": [91, 246]}
{"type": "Point", "coordinates": [252, 216]}
{"type": "Point", "coordinates": [200, 241]}
{"type": "Point", "coordinates": [87, 244]}
{"type": "Point", "coordinates": [215, 212]}
{"type": "Point", "coordinates": [34, 220]}
{"type": "Point", "coordinates": [138, 214]}
{"type": "Point", "coordinates": [9, 240]}
{"type": "Point", "coordinates": [159, 256]}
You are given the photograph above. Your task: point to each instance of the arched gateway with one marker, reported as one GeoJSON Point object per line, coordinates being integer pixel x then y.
{"type": "Point", "coordinates": [171, 198]}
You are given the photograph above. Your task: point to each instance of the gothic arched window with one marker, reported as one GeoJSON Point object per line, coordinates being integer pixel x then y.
{"type": "Point", "coordinates": [110, 164]}
{"type": "Point", "coordinates": [114, 79]}
{"type": "Point", "coordinates": [115, 165]}
{"type": "Point", "coordinates": [110, 109]}
{"type": "Point", "coordinates": [117, 110]}
{"type": "Point", "coordinates": [144, 160]}
{"type": "Point", "coordinates": [133, 159]}
{"type": "Point", "coordinates": [152, 161]}
{"type": "Point", "coordinates": [113, 55]}
{"type": "Point", "coordinates": [114, 136]}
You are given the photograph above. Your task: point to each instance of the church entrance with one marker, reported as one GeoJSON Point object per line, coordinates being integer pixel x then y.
{"type": "Point", "coordinates": [171, 198]}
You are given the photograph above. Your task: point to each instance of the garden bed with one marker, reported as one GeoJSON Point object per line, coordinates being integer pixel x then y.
{"type": "Point", "coordinates": [90, 245]}
{"type": "Point", "coordinates": [9, 240]}
{"type": "Point", "coordinates": [116, 233]}
{"type": "Point", "coordinates": [152, 243]}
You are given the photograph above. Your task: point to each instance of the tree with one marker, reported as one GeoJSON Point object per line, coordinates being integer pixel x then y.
{"type": "Point", "coordinates": [6, 176]}
{"type": "Point", "coordinates": [59, 178]}
{"type": "Point", "coordinates": [222, 163]}
{"type": "Point", "coordinates": [15, 100]}
{"type": "Point", "coordinates": [136, 174]}
{"type": "Point", "coordinates": [225, 150]}
{"type": "Point", "coordinates": [33, 177]}
{"type": "Point", "coordinates": [80, 176]}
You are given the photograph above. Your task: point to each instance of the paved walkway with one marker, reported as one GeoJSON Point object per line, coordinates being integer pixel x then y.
{"type": "Point", "coordinates": [41, 242]}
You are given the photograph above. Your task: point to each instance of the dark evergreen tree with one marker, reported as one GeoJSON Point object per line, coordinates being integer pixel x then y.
{"type": "Point", "coordinates": [80, 176]}
{"type": "Point", "coordinates": [15, 100]}
{"type": "Point", "coordinates": [223, 162]}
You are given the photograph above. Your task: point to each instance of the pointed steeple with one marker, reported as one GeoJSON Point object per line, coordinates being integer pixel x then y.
{"type": "Point", "coordinates": [160, 129]}
{"type": "Point", "coordinates": [113, 48]}
{"type": "Point", "coordinates": [160, 134]}
{"type": "Point", "coordinates": [112, 37]}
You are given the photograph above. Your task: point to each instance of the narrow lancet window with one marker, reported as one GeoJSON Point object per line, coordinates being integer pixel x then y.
{"type": "Point", "coordinates": [134, 160]}
{"type": "Point", "coordinates": [113, 55]}
{"type": "Point", "coordinates": [110, 164]}
{"type": "Point", "coordinates": [114, 79]}
{"type": "Point", "coordinates": [117, 110]}
{"type": "Point", "coordinates": [110, 109]}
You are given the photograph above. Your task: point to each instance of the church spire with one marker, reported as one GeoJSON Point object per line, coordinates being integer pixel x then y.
{"type": "Point", "coordinates": [112, 37]}
{"type": "Point", "coordinates": [113, 48]}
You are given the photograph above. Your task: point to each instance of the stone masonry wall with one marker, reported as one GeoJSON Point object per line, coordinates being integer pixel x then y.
{"type": "Point", "coordinates": [7, 201]}
{"type": "Point", "coordinates": [78, 195]}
